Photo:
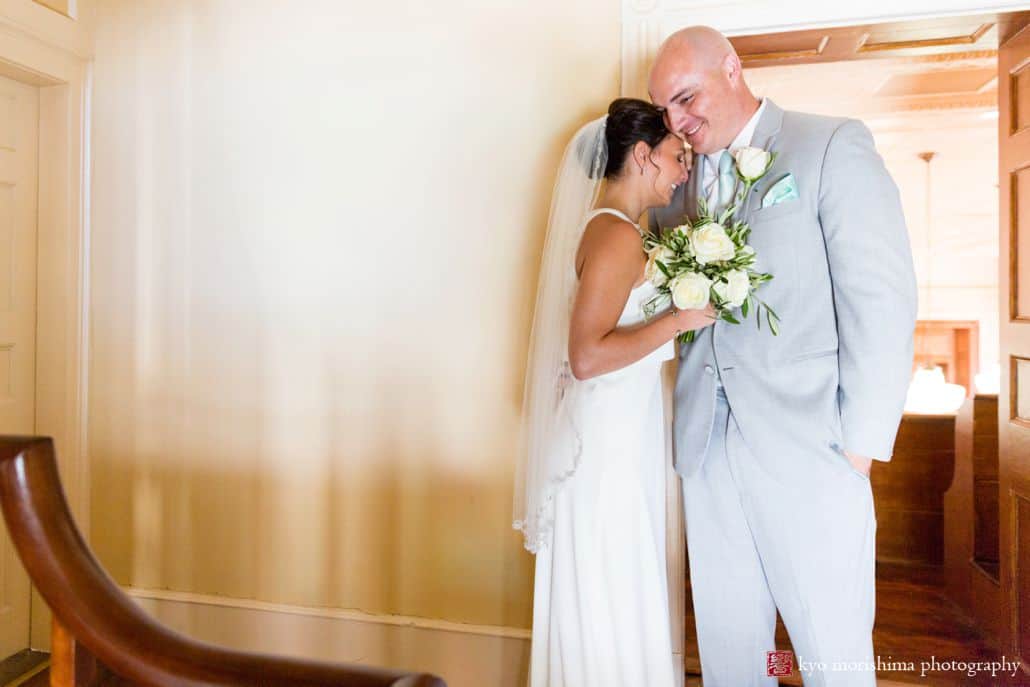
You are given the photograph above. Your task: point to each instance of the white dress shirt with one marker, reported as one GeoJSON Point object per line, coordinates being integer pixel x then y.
{"type": "Point", "coordinates": [710, 162]}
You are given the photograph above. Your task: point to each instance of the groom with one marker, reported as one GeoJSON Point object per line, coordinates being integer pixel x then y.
{"type": "Point", "coordinates": [774, 435]}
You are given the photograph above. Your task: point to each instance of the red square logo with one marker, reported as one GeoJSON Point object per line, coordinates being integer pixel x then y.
{"type": "Point", "coordinates": [779, 663]}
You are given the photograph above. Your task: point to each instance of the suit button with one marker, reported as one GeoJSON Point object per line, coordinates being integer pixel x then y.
{"type": "Point", "coordinates": [709, 369]}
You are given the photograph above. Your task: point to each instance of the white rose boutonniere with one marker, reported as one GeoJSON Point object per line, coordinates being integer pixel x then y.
{"type": "Point", "coordinates": [752, 163]}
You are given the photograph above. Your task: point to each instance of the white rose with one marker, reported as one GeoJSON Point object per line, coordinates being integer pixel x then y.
{"type": "Point", "coordinates": [710, 243]}
{"type": "Point", "coordinates": [652, 272]}
{"type": "Point", "coordinates": [752, 163]}
{"type": "Point", "coordinates": [690, 291]}
{"type": "Point", "coordinates": [735, 292]}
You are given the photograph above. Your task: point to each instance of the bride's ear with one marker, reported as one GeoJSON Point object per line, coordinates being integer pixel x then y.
{"type": "Point", "coordinates": [641, 154]}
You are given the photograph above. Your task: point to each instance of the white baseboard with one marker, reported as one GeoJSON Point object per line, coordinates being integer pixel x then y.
{"type": "Point", "coordinates": [463, 655]}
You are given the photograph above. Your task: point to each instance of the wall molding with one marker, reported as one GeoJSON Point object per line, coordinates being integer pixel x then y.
{"type": "Point", "coordinates": [351, 615]}
{"type": "Point", "coordinates": [71, 35]}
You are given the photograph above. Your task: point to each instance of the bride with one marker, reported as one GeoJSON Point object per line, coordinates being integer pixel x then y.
{"type": "Point", "coordinates": [590, 493]}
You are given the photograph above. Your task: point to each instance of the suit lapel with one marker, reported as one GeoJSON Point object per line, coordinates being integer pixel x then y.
{"type": "Point", "coordinates": [694, 187]}
{"type": "Point", "coordinates": [765, 138]}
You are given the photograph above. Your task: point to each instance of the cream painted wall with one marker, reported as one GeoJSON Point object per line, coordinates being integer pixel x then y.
{"type": "Point", "coordinates": [316, 228]}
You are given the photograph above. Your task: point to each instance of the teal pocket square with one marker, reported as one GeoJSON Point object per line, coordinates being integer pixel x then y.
{"type": "Point", "coordinates": [783, 190]}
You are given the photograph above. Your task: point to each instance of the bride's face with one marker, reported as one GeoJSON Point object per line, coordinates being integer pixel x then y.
{"type": "Point", "coordinates": [670, 169]}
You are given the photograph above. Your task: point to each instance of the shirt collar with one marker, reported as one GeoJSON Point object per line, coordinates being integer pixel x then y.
{"type": "Point", "coordinates": [743, 138]}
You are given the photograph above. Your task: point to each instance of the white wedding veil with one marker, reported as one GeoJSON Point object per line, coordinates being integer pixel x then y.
{"type": "Point", "coordinates": [550, 442]}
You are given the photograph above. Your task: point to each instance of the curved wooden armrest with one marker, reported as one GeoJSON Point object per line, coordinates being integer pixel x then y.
{"type": "Point", "coordinates": [114, 629]}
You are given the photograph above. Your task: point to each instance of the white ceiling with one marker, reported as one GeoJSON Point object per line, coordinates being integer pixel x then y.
{"type": "Point", "coordinates": [872, 88]}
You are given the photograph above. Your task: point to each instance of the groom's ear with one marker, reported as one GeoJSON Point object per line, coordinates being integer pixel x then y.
{"type": "Point", "coordinates": [732, 67]}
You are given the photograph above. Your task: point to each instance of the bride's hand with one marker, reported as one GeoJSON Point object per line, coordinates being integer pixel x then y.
{"type": "Point", "coordinates": [695, 319]}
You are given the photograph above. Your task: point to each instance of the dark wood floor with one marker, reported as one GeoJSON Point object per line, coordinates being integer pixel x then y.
{"type": "Point", "coordinates": [38, 680]}
{"type": "Point", "coordinates": [914, 622]}
{"type": "Point", "coordinates": [43, 680]}
{"type": "Point", "coordinates": [14, 668]}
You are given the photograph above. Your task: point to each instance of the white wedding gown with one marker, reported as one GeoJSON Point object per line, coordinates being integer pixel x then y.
{"type": "Point", "coordinates": [600, 611]}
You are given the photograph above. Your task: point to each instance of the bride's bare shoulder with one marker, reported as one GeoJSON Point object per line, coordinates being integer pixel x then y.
{"type": "Point", "coordinates": [607, 239]}
{"type": "Point", "coordinates": [609, 231]}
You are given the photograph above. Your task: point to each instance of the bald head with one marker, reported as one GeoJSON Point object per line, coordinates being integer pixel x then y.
{"type": "Point", "coordinates": [699, 43]}
{"type": "Point", "coordinates": [697, 77]}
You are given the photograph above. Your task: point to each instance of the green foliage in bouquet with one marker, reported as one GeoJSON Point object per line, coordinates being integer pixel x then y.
{"type": "Point", "coordinates": [709, 260]}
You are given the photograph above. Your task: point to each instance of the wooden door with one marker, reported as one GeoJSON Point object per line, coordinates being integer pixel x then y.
{"type": "Point", "coordinates": [1014, 287]}
{"type": "Point", "coordinates": [19, 151]}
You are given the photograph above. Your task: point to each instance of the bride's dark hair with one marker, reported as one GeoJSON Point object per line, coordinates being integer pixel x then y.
{"type": "Point", "coordinates": [629, 121]}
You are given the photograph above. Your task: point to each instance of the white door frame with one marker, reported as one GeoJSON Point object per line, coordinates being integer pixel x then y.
{"type": "Point", "coordinates": [43, 48]}
{"type": "Point", "coordinates": [646, 23]}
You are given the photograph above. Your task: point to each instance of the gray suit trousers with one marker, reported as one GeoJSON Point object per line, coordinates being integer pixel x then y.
{"type": "Point", "coordinates": [756, 545]}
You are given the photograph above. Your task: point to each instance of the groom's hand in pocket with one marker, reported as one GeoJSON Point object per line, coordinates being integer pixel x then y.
{"type": "Point", "coordinates": [860, 463]}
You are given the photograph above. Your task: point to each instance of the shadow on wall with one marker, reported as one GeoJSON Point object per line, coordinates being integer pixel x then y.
{"type": "Point", "coordinates": [308, 341]}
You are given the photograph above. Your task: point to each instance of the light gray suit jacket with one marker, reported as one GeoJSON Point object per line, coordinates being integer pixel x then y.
{"type": "Point", "coordinates": [844, 287]}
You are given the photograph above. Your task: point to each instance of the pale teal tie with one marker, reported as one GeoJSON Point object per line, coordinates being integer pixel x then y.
{"type": "Point", "coordinates": [727, 181]}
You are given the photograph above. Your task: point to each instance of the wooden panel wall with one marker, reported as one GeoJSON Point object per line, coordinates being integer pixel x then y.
{"type": "Point", "coordinates": [909, 490]}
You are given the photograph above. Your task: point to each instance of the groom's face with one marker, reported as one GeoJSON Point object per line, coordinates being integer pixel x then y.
{"type": "Point", "coordinates": [696, 97]}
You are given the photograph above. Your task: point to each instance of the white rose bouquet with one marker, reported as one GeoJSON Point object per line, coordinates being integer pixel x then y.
{"type": "Point", "coordinates": [709, 260]}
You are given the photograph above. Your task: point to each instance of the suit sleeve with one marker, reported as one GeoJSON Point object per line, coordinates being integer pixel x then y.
{"type": "Point", "coordinates": [874, 289]}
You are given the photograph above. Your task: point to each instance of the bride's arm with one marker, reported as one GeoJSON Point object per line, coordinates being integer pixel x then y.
{"type": "Point", "coordinates": [612, 262]}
